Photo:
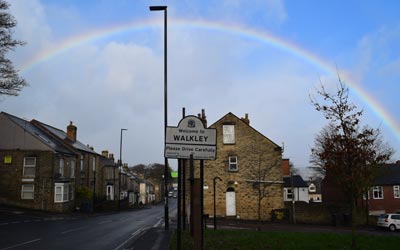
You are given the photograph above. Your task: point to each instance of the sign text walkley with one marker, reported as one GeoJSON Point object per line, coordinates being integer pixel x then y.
{"type": "Point", "coordinates": [190, 137]}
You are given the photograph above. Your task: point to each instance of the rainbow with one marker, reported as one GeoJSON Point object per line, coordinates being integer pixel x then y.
{"type": "Point", "coordinates": [234, 29]}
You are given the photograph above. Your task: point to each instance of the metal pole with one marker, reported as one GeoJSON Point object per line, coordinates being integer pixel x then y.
{"type": "Point", "coordinates": [179, 204]}
{"type": "Point", "coordinates": [164, 8]}
{"type": "Point", "coordinates": [184, 185]}
{"type": "Point", "coordinates": [202, 203]}
{"type": "Point", "coordinates": [120, 166]}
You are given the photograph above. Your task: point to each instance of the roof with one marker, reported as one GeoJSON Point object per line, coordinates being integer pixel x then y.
{"type": "Point", "coordinates": [63, 136]}
{"type": "Point", "coordinates": [236, 117]}
{"type": "Point", "coordinates": [104, 161]}
{"type": "Point", "coordinates": [297, 181]}
{"type": "Point", "coordinates": [389, 175]}
{"type": "Point", "coordinates": [39, 134]}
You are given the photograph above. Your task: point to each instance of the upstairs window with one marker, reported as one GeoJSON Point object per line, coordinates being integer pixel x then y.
{"type": "Point", "coordinates": [312, 188]}
{"type": "Point", "coordinates": [81, 163]}
{"type": "Point", "coordinates": [228, 132]}
{"type": "Point", "coordinates": [29, 167]}
{"type": "Point", "coordinates": [377, 192]}
{"type": "Point", "coordinates": [72, 169]}
{"type": "Point", "coordinates": [396, 191]}
{"type": "Point", "coordinates": [61, 168]}
{"type": "Point", "coordinates": [233, 165]}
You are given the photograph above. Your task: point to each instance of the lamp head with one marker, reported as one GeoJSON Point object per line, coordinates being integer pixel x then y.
{"type": "Point", "coordinates": [157, 8]}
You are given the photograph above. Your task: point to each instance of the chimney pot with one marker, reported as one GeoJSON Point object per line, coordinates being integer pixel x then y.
{"type": "Point", "coordinates": [71, 132]}
{"type": "Point", "coordinates": [104, 153]}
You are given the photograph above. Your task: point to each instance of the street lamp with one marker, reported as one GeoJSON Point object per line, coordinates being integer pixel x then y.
{"type": "Point", "coordinates": [120, 166]}
{"type": "Point", "coordinates": [215, 213]}
{"type": "Point", "coordinates": [164, 8]}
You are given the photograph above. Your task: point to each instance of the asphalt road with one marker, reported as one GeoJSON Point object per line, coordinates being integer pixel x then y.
{"type": "Point", "coordinates": [107, 231]}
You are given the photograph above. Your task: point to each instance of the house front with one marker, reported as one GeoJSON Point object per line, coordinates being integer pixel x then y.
{"type": "Point", "coordinates": [248, 164]}
{"type": "Point", "coordinates": [384, 195]}
{"type": "Point", "coordinates": [36, 170]}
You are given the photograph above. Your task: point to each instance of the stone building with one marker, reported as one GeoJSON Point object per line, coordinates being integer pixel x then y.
{"type": "Point", "coordinates": [42, 167]}
{"type": "Point", "coordinates": [249, 164]}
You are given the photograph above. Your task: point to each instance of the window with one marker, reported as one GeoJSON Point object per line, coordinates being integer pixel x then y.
{"type": "Point", "coordinates": [72, 169]}
{"type": "Point", "coordinates": [27, 191]}
{"type": "Point", "coordinates": [94, 164]}
{"type": "Point", "coordinates": [110, 192]}
{"type": "Point", "coordinates": [233, 166]}
{"type": "Point", "coordinates": [377, 192]}
{"type": "Point", "coordinates": [61, 167]}
{"type": "Point", "coordinates": [81, 162]}
{"type": "Point", "coordinates": [61, 191]}
{"type": "Point", "coordinates": [29, 166]}
{"type": "Point", "coordinates": [312, 188]}
{"type": "Point", "coordinates": [71, 192]}
{"type": "Point", "coordinates": [289, 194]}
{"type": "Point", "coordinates": [396, 191]}
{"type": "Point", "coordinates": [228, 132]}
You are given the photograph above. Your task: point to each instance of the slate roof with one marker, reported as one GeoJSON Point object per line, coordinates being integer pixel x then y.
{"type": "Point", "coordinates": [297, 181]}
{"type": "Point", "coordinates": [39, 134]}
{"type": "Point", "coordinates": [63, 136]}
{"type": "Point", "coordinates": [389, 175]}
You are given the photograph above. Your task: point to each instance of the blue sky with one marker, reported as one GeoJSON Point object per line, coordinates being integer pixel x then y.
{"type": "Point", "coordinates": [115, 81]}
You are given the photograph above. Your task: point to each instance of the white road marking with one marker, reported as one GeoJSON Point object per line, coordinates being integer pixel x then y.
{"type": "Point", "coordinates": [21, 244]}
{"type": "Point", "coordinates": [73, 230]}
{"type": "Point", "coordinates": [134, 234]}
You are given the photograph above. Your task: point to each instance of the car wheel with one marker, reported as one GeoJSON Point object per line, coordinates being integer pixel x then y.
{"type": "Point", "coordinates": [392, 227]}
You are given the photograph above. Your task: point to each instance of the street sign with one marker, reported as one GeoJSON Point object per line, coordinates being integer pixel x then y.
{"type": "Point", "coordinates": [190, 138]}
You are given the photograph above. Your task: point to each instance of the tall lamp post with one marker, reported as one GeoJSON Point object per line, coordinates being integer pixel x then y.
{"type": "Point", "coordinates": [120, 166]}
{"type": "Point", "coordinates": [164, 8]}
{"type": "Point", "coordinates": [215, 212]}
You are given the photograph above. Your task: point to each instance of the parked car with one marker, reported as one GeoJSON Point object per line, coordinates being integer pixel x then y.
{"type": "Point", "coordinates": [391, 221]}
{"type": "Point", "coordinates": [170, 193]}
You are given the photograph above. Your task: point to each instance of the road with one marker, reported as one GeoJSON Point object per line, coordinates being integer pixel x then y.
{"type": "Point", "coordinates": [106, 231]}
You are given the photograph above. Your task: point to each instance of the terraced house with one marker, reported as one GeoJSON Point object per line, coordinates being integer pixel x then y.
{"type": "Point", "coordinates": [41, 167]}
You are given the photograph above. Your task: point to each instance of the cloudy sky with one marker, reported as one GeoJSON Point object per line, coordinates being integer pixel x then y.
{"type": "Point", "coordinates": [99, 63]}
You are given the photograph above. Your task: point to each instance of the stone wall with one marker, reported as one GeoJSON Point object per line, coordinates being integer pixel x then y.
{"type": "Point", "coordinates": [256, 155]}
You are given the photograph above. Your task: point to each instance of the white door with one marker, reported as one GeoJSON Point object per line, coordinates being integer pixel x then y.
{"type": "Point", "coordinates": [230, 204]}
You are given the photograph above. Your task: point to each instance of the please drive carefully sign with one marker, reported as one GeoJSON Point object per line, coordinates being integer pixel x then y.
{"type": "Point", "coordinates": [191, 138]}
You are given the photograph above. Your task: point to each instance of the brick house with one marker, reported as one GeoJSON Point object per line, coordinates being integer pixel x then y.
{"type": "Point", "coordinates": [384, 196]}
{"type": "Point", "coordinates": [42, 167]}
{"type": "Point", "coordinates": [245, 158]}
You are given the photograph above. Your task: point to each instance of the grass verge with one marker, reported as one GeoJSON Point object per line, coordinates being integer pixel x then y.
{"type": "Point", "coordinates": [256, 240]}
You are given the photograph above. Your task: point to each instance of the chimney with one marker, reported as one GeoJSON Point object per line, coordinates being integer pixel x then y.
{"type": "Point", "coordinates": [204, 117]}
{"type": "Point", "coordinates": [111, 157]}
{"type": "Point", "coordinates": [285, 167]}
{"type": "Point", "coordinates": [71, 132]}
{"type": "Point", "coordinates": [104, 153]}
{"type": "Point", "coordinates": [246, 119]}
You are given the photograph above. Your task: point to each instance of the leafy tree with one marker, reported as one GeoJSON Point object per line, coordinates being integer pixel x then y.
{"type": "Point", "coordinates": [345, 151]}
{"type": "Point", "coordinates": [10, 82]}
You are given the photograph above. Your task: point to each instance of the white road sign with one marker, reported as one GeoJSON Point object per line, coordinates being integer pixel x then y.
{"type": "Point", "coordinates": [190, 137]}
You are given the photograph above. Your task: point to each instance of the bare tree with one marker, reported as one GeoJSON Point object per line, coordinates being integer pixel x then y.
{"type": "Point", "coordinates": [349, 154]}
{"type": "Point", "coordinates": [10, 82]}
{"type": "Point", "coordinates": [260, 178]}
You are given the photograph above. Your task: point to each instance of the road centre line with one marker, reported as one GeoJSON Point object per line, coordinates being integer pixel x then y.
{"type": "Point", "coordinates": [73, 230]}
{"type": "Point", "coordinates": [21, 244]}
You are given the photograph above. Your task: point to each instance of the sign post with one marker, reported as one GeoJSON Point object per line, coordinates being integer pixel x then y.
{"type": "Point", "coordinates": [191, 140]}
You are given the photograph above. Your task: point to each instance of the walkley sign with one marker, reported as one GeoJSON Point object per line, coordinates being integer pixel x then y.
{"type": "Point", "coordinates": [190, 137]}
